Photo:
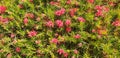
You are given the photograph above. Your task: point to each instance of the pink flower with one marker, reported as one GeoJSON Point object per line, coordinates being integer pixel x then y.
{"type": "Point", "coordinates": [99, 13]}
{"type": "Point", "coordinates": [72, 11]}
{"type": "Point", "coordinates": [68, 2]}
{"type": "Point", "coordinates": [49, 24]}
{"type": "Point", "coordinates": [2, 9]}
{"type": "Point", "coordinates": [5, 20]}
{"type": "Point", "coordinates": [98, 7]}
{"type": "Point", "coordinates": [65, 54]}
{"type": "Point", "coordinates": [20, 6]}
{"type": "Point", "coordinates": [17, 49]}
{"type": "Point", "coordinates": [54, 3]}
{"type": "Point", "coordinates": [54, 40]}
{"type": "Point", "coordinates": [116, 23]}
{"type": "Point", "coordinates": [12, 35]}
{"type": "Point", "coordinates": [111, 3]}
{"type": "Point", "coordinates": [25, 21]}
{"type": "Point", "coordinates": [59, 23]}
{"type": "Point", "coordinates": [67, 22]}
{"type": "Point", "coordinates": [30, 15]}
{"type": "Point", "coordinates": [90, 1]}
{"type": "Point", "coordinates": [60, 12]}
{"type": "Point", "coordinates": [68, 29]}
{"type": "Point", "coordinates": [101, 10]}
{"type": "Point", "coordinates": [60, 51]}
{"type": "Point", "coordinates": [93, 30]}
{"type": "Point", "coordinates": [32, 33]}
{"type": "Point", "coordinates": [77, 36]}
{"type": "Point", "coordinates": [76, 51]}
{"type": "Point", "coordinates": [105, 9]}
{"type": "Point", "coordinates": [81, 19]}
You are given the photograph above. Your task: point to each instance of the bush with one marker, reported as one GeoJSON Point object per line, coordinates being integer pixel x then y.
{"type": "Point", "coordinates": [59, 28]}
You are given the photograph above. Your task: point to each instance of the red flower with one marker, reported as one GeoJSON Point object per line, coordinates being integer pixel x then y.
{"type": "Point", "coordinates": [67, 22]}
{"type": "Point", "coordinates": [17, 49]}
{"type": "Point", "coordinates": [59, 23]}
{"type": "Point", "coordinates": [98, 7]}
{"type": "Point", "coordinates": [90, 1]}
{"type": "Point", "coordinates": [30, 15]}
{"type": "Point", "coordinates": [111, 3]}
{"type": "Point", "coordinates": [65, 54]}
{"type": "Point", "coordinates": [25, 21]}
{"type": "Point", "coordinates": [54, 3]}
{"type": "Point", "coordinates": [99, 13]}
{"type": "Point", "coordinates": [49, 24]}
{"type": "Point", "coordinates": [60, 51]}
{"type": "Point", "coordinates": [60, 12]}
{"type": "Point", "coordinates": [77, 36]}
{"type": "Point", "coordinates": [68, 29]}
{"type": "Point", "coordinates": [72, 11]}
{"type": "Point", "coordinates": [2, 9]}
{"type": "Point", "coordinates": [81, 19]}
{"type": "Point", "coordinates": [116, 23]}
{"type": "Point", "coordinates": [5, 20]}
{"type": "Point", "coordinates": [20, 6]}
{"type": "Point", "coordinates": [32, 33]}
{"type": "Point", "coordinates": [54, 40]}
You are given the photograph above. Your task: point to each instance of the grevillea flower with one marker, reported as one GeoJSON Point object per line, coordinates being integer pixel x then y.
{"type": "Point", "coordinates": [101, 10]}
{"type": "Point", "coordinates": [30, 15]}
{"type": "Point", "coordinates": [5, 20]}
{"type": "Point", "coordinates": [25, 21]}
{"type": "Point", "coordinates": [98, 7]}
{"type": "Point", "coordinates": [60, 51]}
{"type": "Point", "coordinates": [90, 1]}
{"type": "Point", "coordinates": [12, 35]}
{"type": "Point", "coordinates": [102, 31]}
{"type": "Point", "coordinates": [2, 9]}
{"type": "Point", "coordinates": [76, 51]}
{"type": "Point", "coordinates": [93, 30]}
{"type": "Point", "coordinates": [65, 54]}
{"type": "Point", "coordinates": [60, 12]}
{"type": "Point", "coordinates": [116, 23]}
{"type": "Point", "coordinates": [68, 2]}
{"type": "Point", "coordinates": [49, 24]}
{"type": "Point", "coordinates": [32, 33]}
{"type": "Point", "coordinates": [72, 11]}
{"type": "Point", "coordinates": [17, 49]}
{"type": "Point", "coordinates": [111, 3]}
{"type": "Point", "coordinates": [37, 41]}
{"type": "Point", "coordinates": [99, 13]}
{"type": "Point", "coordinates": [81, 19]}
{"type": "Point", "coordinates": [20, 6]}
{"type": "Point", "coordinates": [59, 23]}
{"type": "Point", "coordinates": [67, 22]}
{"type": "Point", "coordinates": [55, 41]}
{"type": "Point", "coordinates": [77, 36]}
{"type": "Point", "coordinates": [54, 3]}
{"type": "Point", "coordinates": [68, 29]}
